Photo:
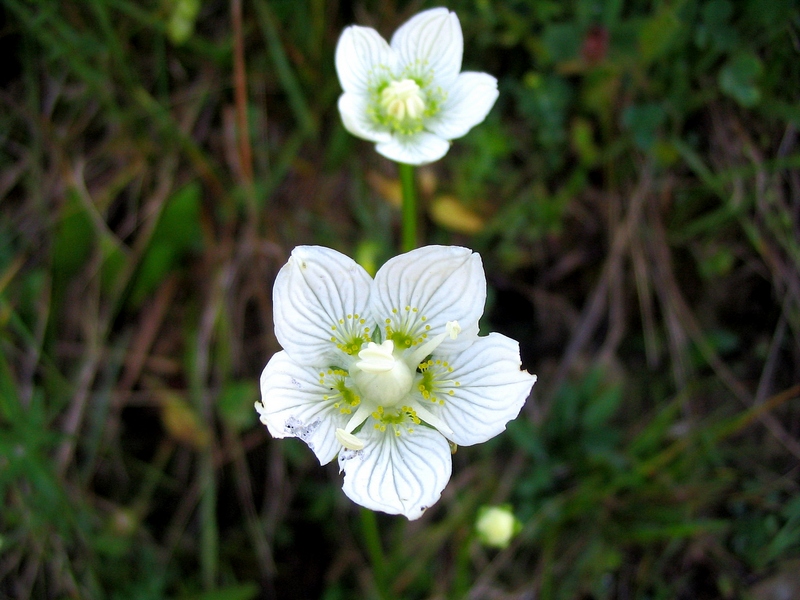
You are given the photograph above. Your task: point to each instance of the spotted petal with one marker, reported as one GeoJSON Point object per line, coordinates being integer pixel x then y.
{"type": "Point", "coordinates": [293, 404]}
{"type": "Point", "coordinates": [468, 102]}
{"type": "Point", "coordinates": [362, 58]}
{"type": "Point", "coordinates": [431, 43]}
{"type": "Point", "coordinates": [316, 295]}
{"type": "Point", "coordinates": [397, 474]}
{"type": "Point", "coordinates": [491, 390]}
{"type": "Point", "coordinates": [439, 283]}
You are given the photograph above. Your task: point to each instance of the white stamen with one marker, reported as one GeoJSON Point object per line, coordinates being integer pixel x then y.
{"type": "Point", "coordinates": [431, 419]}
{"type": "Point", "coordinates": [453, 329]}
{"type": "Point", "coordinates": [362, 412]}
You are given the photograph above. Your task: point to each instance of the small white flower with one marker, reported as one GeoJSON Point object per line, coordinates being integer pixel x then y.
{"type": "Point", "coordinates": [409, 96]}
{"type": "Point", "coordinates": [383, 373]}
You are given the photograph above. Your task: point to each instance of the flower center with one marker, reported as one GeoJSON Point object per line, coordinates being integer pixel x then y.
{"type": "Point", "coordinates": [380, 376]}
{"type": "Point", "coordinates": [384, 377]}
{"type": "Point", "coordinates": [403, 100]}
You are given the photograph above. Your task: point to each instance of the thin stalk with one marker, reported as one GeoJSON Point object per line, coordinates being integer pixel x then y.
{"type": "Point", "coordinates": [242, 125]}
{"type": "Point", "coordinates": [209, 535]}
{"type": "Point", "coordinates": [461, 580]}
{"type": "Point", "coordinates": [372, 540]}
{"type": "Point", "coordinates": [409, 232]}
{"type": "Point", "coordinates": [240, 94]}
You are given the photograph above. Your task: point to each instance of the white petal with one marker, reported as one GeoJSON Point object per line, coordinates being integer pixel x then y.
{"type": "Point", "coordinates": [402, 474]}
{"type": "Point", "coordinates": [417, 149]}
{"type": "Point", "coordinates": [444, 283]}
{"type": "Point", "coordinates": [293, 405]}
{"type": "Point", "coordinates": [353, 109]}
{"type": "Point", "coordinates": [362, 57]}
{"type": "Point", "coordinates": [431, 41]}
{"type": "Point", "coordinates": [313, 291]}
{"type": "Point", "coordinates": [468, 102]}
{"type": "Point", "coordinates": [491, 393]}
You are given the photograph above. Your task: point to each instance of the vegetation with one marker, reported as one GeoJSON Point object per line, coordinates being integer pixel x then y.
{"type": "Point", "coordinates": [634, 194]}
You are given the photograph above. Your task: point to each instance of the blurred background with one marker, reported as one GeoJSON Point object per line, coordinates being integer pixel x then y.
{"type": "Point", "coordinates": [634, 194]}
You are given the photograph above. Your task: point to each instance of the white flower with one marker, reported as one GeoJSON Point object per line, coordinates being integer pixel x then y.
{"type": "Point", "coordinates": [409, 96]}
{"type": "Point", "coordinates": [383, 373]}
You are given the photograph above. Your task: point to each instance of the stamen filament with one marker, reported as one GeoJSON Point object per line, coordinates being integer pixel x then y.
{"type": "Point", "coordinates": [415, 357]}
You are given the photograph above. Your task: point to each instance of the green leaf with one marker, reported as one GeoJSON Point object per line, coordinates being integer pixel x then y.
{"type": "Point", "coordinates": [114, 260]}
{"type": "Point", "coordinates": [181, 21]}
{"type": "Point", "coordinates": [656, 431]}
{"type": "Point", "coordinates": [715, 261]}
{"type": "Point", "coordinates": [561, 41]}
{"type": "Point", "coordinates": [787, 539]}
{"type": "Point", "coordinates": [582, 137]}
{"type": "Point", "coordinates": [545, 102]}
{"type": "Point", "coordinates": [657, 33]}
{"type": "Point", "coordinates": [673, 531]}
{"type": "Point", "coordinates": [241, 591]}
{"type": "Point", "coordinates": [644, 120]}
{"type": "Point", "coordinates": [176, 235]}
{"type": "Point", "coordinates": [738, 79]}
{"type": "Point", "coordinates": [601, 405]}
{"type": "Point", "coordinates": [73, 240]}
{"type": "Point", "coordinates": [179, 225]}
{"type": "Point", "coordinates": [235, 404]}
{"type": "Point", "coordinates": [716, 31]}
{"type": "Point", "coordinates": [9, 399]}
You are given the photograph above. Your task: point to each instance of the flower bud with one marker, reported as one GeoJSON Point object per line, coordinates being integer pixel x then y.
{"type": "Point", "coordinates": [496, 525]}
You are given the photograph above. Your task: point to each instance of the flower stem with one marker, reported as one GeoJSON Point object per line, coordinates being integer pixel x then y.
{"type": "Point", "coordinates": [409, 237]}
{"type": "Point", "coordinates": [372, 540]}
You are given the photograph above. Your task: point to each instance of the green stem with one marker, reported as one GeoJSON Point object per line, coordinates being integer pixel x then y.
{"type": "Point", "coordinates": [372, 540]}
{"type": "Point", "coordinates": [409, 236]}
{"type": "Point", "coordinates": [461, 581]}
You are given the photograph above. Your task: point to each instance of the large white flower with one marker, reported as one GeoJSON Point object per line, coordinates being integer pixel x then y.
{"type": "Point", "coordinates": [409, 96]}
{"type": "Point", "coordinates": [383, 373]}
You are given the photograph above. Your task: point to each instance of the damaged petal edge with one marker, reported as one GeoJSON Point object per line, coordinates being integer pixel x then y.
{"type": "Point", "coordinates": [295, 427]}
{"type": "Point", "coordinates": [346, 455]}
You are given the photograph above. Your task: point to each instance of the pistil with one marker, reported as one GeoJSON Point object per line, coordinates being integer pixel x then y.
{"type": "Point", "coordinates": [403, 100]}
{"type": "Point", "coordinates": [380, 376]}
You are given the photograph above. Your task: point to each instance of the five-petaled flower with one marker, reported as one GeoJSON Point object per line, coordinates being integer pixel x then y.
{"type": "Point", "coordinates": [383, 373]}
{"type": "Point", "coordinates": [409, 96]}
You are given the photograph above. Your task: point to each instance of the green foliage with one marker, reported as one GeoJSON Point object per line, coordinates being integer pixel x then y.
{"type": "Point", "coordinates": [738, 78]}
{"type": "Point", "coordinates": [576, 436]}
{"type": "Point", "coordinates": [176, 235]}
{"type": "Point", "coordinates": [72, 240]}
{"type": "Point", "coordinates": [235, 403]}
{"type": "Point", "coordinates": [632, 78]}
{"type": "Point", "coordinates": [600, 499]}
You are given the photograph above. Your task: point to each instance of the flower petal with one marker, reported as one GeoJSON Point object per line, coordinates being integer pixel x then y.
{"type": "Point", "coordinates": [397, 474]}
{"type": "Point", "coordinates": [443, 283]}
{"type": "Point", "coordinates": [431, 43]}
{"type": "Point", "coordinates": [293, 405]}
{"type": "Point", "coordinates": [315, 290]}
{"type": "Point", "coordinates": [362, 58]}
{"type": "Point", "coordinates": [353, 109]}
{"type": "Point", "coordinates": [468, 102]}
{"type": "Point", "coordinates": [491, 393]}
{"type": "Point", "coordinates": [417, 149]}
